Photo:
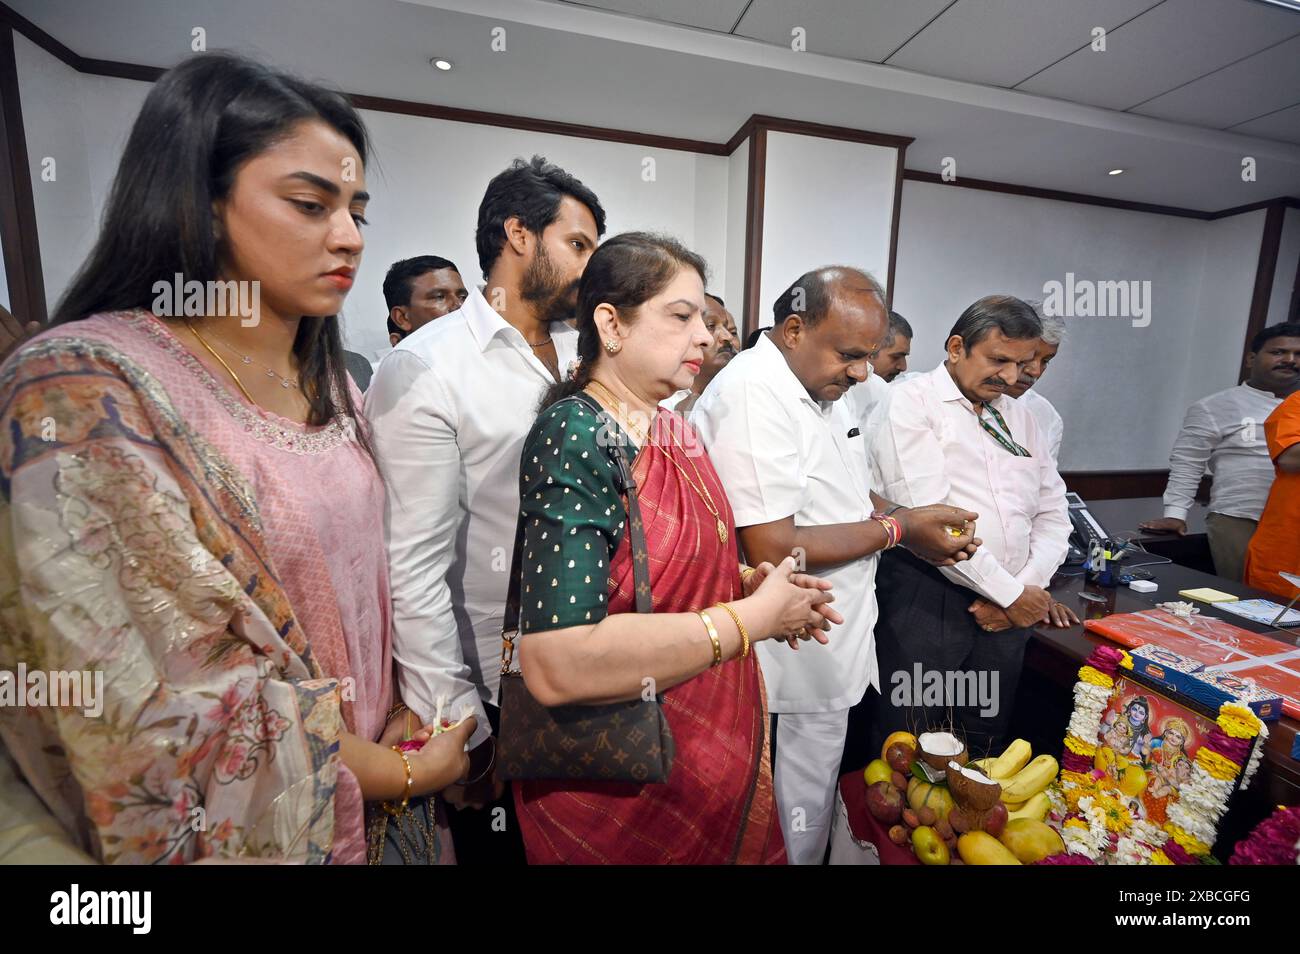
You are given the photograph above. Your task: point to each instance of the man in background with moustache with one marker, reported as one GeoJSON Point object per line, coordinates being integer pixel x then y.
{"type": "Point", "coordinates": [954, 436]}
{"type": "Point", "coordinates": [717, 353]}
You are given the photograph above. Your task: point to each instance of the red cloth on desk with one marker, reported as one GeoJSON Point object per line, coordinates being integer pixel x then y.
{"type": "Point", "coordinates": [853, 789]}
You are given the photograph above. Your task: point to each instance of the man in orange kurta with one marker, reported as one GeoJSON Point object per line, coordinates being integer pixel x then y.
{"type": "Point", "coordinates": [1276, 543]}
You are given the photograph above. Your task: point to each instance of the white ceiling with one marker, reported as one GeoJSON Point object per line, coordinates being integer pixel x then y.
{"type": "Point", "coordinates": [1009, 88]}
{"type": "Point", "coordinates": [1212, 63]}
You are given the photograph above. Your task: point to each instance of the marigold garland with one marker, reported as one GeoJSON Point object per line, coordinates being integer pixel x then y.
{"type": "Point", "coordinates": [1096, 823]}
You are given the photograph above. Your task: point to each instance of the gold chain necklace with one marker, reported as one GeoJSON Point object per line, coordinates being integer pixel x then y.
{"type": "Point", "coordinates": [270, 371]}
{"type": "Point", "coordinates": [229, 370]}
{"type": "Point", "coordinates": [700, 489]}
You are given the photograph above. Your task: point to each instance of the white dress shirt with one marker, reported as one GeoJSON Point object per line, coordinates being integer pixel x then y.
{"type": "Point", "coordinates": [778, 454]}
{"type": "Point", "coordinates": [863, 401]}
{"type": "Point", "coordinates": [450, 407]}
{"type": "Point", "coordinates": [1223, 433]}
{"type": "Point", "coordinates": [1050, 425]}
{"type": "Point", "coordinates": [932, 449]}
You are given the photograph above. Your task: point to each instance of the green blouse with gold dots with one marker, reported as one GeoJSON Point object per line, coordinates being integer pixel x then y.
{"type": "Point", "coordinates": [573, 517]}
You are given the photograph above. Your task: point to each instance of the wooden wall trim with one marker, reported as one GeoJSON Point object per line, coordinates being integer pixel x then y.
{"type": "Point", "coordinates": [1033, 192]}
{"type": "Point", "coordinates": [1265, 269]}
{"type": "Point", "coordinates": [478, 117]}
{"type": "Point", "coordinates": [1122, 484]}
{"type": "Point", "coordinates": [755, 190]}
{"type": "Point", "coordinates": [1293, 313]}
{"type": "Point", "coordinates": [18, 233]}
{"type": "Point", "coordinates": [899, 169]}
{"type": "Point", "coordinates": [826, 131]}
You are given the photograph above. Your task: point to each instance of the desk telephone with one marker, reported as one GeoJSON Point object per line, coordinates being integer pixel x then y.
{"type": "Point", "coordinates": [1086, 528]}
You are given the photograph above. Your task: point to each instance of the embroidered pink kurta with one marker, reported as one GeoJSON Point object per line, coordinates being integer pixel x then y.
{"type": "Point", "coordinates": [315, 516]}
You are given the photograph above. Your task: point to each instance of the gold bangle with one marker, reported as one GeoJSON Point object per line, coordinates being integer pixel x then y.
{"type": "Point", "coordinates": [410, 782]}
{"type": "Point", "coordinates": [744, 633]}
{"type": "Point", "coordinates": [713, 635]}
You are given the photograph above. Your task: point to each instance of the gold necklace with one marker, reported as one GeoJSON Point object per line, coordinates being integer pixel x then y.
{"type": "Point", "coordinates": [700, 489]}
{"type": "Point", "coordinates": [229, 370]}
{"type": "Point", "coordinates": [270, 371]}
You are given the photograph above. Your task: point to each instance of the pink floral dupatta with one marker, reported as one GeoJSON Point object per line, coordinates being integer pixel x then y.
{"type": "Point", "coordinates": [132, 546]}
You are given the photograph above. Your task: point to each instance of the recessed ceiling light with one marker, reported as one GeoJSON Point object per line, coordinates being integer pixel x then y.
{"type": "Point", "coordinates": [439, 63]}
{"type": "Point", "coordinates": [1114, 172]}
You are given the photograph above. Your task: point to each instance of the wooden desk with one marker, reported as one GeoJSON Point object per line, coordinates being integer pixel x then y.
{"type": "Point", "coordinates": [1044, 699]}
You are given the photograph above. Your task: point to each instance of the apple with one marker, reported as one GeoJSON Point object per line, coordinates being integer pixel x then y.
{"type": "Point", "coordinates": [996, 820]}
{"type": "Point", "coordinates": [900, 756]}
{"type": "Point", "coordinates": [877, 770]}
{"type": "Point", "coordinates": [929, 847]}
{"type": "Point", "coordinates": [885, 803]}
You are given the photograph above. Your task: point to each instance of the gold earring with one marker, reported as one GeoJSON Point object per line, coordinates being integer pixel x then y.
{"type": "Point", "coordinates": [613, 347]}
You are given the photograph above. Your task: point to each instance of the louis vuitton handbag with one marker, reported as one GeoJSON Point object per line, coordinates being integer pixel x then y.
{"type": "Point", "coordinates": [619, 742]}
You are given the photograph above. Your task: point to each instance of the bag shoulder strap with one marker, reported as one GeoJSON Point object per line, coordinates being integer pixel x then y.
{"type": "Point", "coordinates": [626, 485]}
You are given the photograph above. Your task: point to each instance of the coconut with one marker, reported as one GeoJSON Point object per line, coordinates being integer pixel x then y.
{"type": "Point", "coordinates": [971, 790]}
{"type": "Point", "coordinates": [937, 749]}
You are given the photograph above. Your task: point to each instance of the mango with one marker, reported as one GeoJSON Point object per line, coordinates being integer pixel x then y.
{"type": "Point", "coordinates": [981, 848]}
{"type": "Point", "coordinates": [1031, 840]}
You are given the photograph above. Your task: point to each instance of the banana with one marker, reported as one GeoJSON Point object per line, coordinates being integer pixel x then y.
{"type": "Point", "coordinates": [984, 765]}
{"type": "Point", "coordinates": [1036, 808]}
{"type": "Point", "coordinates": [1030, 780]}
{"type": "Point", "coordinates": [1011, 761]}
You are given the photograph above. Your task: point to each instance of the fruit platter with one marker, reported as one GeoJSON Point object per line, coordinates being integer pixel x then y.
{"type": "Point", "coordinates": [929, 796]}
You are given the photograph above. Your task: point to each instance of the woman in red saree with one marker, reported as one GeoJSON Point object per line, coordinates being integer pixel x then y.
{"type": "Point", "coordinates": [641, 339]}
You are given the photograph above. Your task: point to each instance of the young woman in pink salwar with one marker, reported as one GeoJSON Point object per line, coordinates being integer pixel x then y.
{"type": "Point", "coordinates": [189, 504]}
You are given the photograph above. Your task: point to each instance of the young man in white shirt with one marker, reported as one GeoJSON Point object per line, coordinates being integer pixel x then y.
{"type": "Point", "coordinates": [1049, 421]}
{"type": "Point", "coordinates": [450, 407]}
{"type": "Point", "coordinates": [953, 435]}
{"type": "Point", "coordinates": [1223, 434]}
{"type": "Point", "coordinates": [792, 460]}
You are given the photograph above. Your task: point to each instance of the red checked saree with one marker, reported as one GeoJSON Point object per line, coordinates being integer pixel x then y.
{"type": "Point", "coordinates": [717, 806]}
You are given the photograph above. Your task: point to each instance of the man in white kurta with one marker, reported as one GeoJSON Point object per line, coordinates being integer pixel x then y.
{"type": "Point", "coordinates": [792, 460]}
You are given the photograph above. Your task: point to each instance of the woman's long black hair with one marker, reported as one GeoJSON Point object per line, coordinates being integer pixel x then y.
{"type": "Point", "coordinates": [201, 121]}
{"type": "Point", "coordinates": [626, 272]}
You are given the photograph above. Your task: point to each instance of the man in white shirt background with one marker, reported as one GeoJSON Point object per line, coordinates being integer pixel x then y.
{"type": "Point", "coordinates": [952, 435]}
{"type": "Point", "coordinates": [1223, 434]}
{"type": "Point", "coordinates": [723, 346]}
{"type": "Point", "coordinates": [866, 400]}
{"type": "Point", "coordinates": [450, 407]}
{"type": "Point", "coordinates": [793, 463]}
{"type": "Point", "coordinates": [1049, 421]}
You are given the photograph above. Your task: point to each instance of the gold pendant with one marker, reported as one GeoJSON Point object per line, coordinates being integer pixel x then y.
{"type": "Point", "coordinates": [722, 530]}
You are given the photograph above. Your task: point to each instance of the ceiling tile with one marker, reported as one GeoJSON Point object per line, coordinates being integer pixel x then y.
{"type": "Point", "coordinates": [1167, 46]}
{"type": "Point", "coordinates": [718, 15]}
{"type": "Point", "coordinates": [1260, 84]}
{"type": "Point", "coordinates": [853, 29]}
{"type": "Point", "coordinates": [1283, 124]}
{"type": "Point", "coordinates": [1001, 42]}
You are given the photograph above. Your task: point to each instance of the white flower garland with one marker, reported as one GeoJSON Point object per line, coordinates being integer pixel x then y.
{"type": "Point", "coordinates": [1089, 704]}
{"type": "Point", "coordinates": [1093, 841]}
{"type": "Point", "coordinates": [1256, 757]}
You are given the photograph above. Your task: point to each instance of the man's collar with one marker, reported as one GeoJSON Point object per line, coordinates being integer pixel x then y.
{"type": "Point", "coordinates": [783, 374]}
{"type": "Point", "coordinates": [945, 385]}
{"type": "Point", "coordinates": [486, 323]}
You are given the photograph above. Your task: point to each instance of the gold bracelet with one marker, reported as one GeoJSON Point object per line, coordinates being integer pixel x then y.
{"type": "Point", "coordinates": [744, 633]}
{"type": "Point", "coordinates": [410, 782]}
{"type": "Point", "coordinates": [713, 635]}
